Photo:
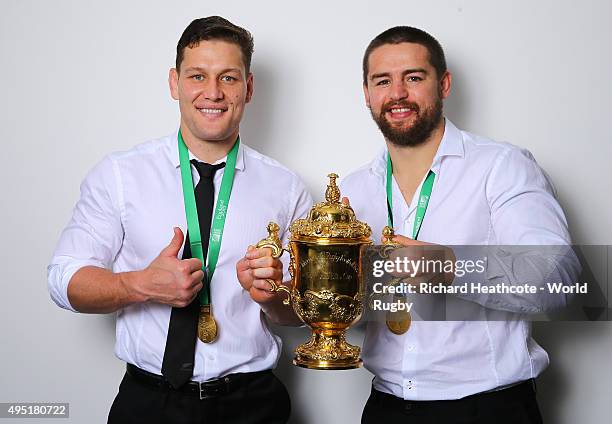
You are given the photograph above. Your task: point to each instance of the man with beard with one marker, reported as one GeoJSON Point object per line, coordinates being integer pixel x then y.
{"type": "Point", "coordinates": [439, 185]}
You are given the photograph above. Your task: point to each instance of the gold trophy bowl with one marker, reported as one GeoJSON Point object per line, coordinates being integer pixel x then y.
{"type": "Point", "coordinates": [327, 287]}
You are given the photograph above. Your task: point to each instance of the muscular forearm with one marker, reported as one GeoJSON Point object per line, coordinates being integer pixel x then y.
{"type": "Point", "coordinates": [98, 291]}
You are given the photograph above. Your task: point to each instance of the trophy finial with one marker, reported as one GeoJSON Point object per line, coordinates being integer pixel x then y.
{"type": "Point", "coordinates": [332, 194]}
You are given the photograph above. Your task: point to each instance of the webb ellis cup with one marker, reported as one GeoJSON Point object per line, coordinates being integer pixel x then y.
{"type": "Point", "coordinates": [327, 287]}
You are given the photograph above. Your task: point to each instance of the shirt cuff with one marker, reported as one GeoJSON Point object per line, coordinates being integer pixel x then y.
{"type": "Point", "coordinates": [59, 275]}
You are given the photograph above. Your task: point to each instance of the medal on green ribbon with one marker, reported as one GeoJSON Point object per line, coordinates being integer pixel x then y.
{"type": "Point", "coordinates": [399, 322]}
{"type": "Point", "coordinates": [207, 326]}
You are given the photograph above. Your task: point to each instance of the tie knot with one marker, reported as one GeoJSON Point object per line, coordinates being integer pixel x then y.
{"type": "Point", "coordinates": [207, 170]}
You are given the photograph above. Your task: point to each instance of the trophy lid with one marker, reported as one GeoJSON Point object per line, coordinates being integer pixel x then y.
{"type": "Point", "coordinates": [331, 219]}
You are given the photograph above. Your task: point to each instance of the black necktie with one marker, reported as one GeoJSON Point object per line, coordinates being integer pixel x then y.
{"type": "Point", "coordinates": [177, 365]}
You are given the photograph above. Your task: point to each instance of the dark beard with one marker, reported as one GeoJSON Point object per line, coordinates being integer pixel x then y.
{"type": "Point", "coordinates": [426, 122]}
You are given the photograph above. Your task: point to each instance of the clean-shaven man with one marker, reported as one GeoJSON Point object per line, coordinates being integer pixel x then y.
{"type": "Point", "coordinates": [197, 346]}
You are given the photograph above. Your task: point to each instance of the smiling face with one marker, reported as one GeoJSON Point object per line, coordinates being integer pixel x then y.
{"type": "Point", "coordinates": [212, 88]}
{"type": "Point", "coordinates": [404, 93]}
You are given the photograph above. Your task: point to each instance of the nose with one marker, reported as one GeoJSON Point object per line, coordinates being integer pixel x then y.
{"type": "Point", "coordinates": [398, 91]}
{"type": "Point", "coordinates": [212, 91]}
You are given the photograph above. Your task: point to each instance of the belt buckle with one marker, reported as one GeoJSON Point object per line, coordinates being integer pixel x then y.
{"type": "Point", "coordinates": [212, 388]}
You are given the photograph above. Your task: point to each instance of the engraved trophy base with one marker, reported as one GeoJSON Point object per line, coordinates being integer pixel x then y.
{"type": "Point", "coordinates": [327, 350]}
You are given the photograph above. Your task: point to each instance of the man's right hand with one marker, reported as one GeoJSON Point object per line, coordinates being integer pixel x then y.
{"type": "Point", "coordinates": [168, 279]}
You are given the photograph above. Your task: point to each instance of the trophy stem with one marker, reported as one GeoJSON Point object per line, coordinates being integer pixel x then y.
{"type": "Point", "coordinates": [327, 349]}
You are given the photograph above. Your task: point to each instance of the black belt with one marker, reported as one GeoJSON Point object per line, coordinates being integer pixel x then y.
{"type": "Point", "coordinates": [205, 389]}
{"type": "Point", "coordinates": [526, 388]}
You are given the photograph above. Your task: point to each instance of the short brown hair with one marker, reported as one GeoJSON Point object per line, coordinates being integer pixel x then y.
{"type": "Point", "coordinates": [215, 28]}
{"type": "Point", "coordinates": [407, 34]}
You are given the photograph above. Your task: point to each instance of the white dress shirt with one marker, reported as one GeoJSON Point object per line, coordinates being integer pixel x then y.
{"type": "Point", "coordinates": [485, 193]}
{"type": "Point", "coordinates": [128, 206]}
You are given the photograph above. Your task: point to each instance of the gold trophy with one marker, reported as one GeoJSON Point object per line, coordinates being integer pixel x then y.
{"type": "Point", "coordinates": [327, 287]}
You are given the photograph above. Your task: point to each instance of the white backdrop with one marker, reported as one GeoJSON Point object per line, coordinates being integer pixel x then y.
{"type": "Point", "coordinates": [82, 79]}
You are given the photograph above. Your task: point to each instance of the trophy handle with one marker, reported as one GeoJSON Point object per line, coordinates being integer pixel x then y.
{"type": "Point", "coordinates": [274, 243]}
{"type": "Point", "coordinates": [388, 245]}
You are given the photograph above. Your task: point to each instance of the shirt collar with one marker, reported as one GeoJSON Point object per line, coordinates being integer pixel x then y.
{"type": "Point", "coordinates": [174, 155]}
{"type": "Point", "coordinates": [451, 145]}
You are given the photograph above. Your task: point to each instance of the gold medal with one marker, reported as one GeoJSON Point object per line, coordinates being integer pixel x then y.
{"type": "Point", "coordinates": [398, 322]}
{"type": "Point", "coordinates": [207, 326]}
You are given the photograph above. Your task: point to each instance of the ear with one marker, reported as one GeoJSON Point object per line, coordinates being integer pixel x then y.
{"type": "Point", "coordinates": [366, 94]}
{"type": "Point", "coordinates": [445, 85]}
{"type": "Point", "coordinates": [249, 93]}
{"type": "Point", "coordinates": [173, 83]}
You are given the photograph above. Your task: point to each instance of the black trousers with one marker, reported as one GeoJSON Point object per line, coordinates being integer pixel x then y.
{"type": "Point", "coordinates": [514, 405]}
{"type": "Point", "coordinates": [260, 400]}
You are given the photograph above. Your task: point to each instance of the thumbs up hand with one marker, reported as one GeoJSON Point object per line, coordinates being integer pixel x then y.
{"type": "Point", "coordinates": [170, 280]}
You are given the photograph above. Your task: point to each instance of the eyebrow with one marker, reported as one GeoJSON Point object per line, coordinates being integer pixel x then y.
{"type": "Point", "coordinates": [200, 69]}
{"type": "Point", "coordinates": [406, 72]}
